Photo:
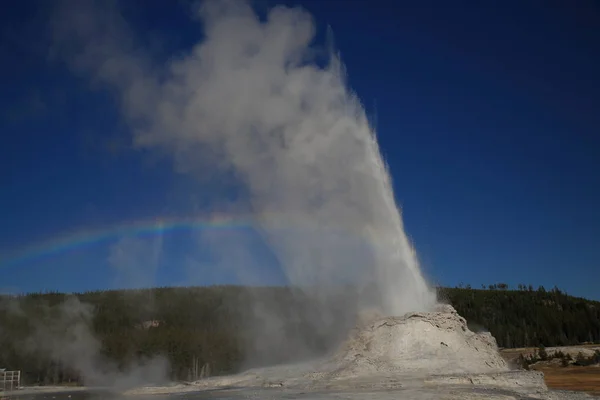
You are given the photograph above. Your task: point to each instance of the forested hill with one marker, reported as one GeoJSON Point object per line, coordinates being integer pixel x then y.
{"type": "Point", "coordinates": [202, 330]}
{"type": "Point", "coordinates": [527, 317]}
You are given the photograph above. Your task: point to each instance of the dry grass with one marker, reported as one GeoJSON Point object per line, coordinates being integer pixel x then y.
{"type": "Point", "coordinates": [586, 379]}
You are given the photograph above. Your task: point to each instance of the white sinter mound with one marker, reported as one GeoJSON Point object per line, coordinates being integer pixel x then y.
{"type": "Point", "coordinates": [436, 342]}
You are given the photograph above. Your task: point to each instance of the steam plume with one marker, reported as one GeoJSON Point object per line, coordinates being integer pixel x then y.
{"type": "Point", "coordinates": [63, 334]}
{"type": "Point", "coordinates": [252, 105]}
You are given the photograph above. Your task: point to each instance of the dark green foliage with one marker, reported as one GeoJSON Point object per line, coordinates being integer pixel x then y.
{"type": "Point", "coordinates": [191, 322]}
{"type": "Point", "coordinates": [584, 361]}
{"type": "Point", "coordinates": [205, 328]}
{"type": "Point", "coordinates": [565, 359]}
{"type": "Point", "coordinates": [528, 318]}
{"type": "Point", "coordinates": [524, 362]}
{"type": "Point", "coordinates": [194, 328]}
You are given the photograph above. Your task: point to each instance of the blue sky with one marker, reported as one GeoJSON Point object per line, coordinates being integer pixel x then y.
{"type": "Point", "coordinates": [486, 114]}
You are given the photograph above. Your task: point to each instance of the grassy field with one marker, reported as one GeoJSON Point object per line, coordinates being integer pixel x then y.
{"type": "Point", "coordinates": [586, 379]}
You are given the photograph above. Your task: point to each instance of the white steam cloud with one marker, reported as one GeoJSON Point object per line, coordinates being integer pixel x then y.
{"type": "Point", "coordinates": [250, 103]}
{"type": "Point", "coordinates": [63, 333]}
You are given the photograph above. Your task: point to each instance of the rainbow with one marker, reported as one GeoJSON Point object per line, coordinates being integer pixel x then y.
{"type": "Point", "coordinates": [79, 238]}
{"type": "Point", "coordinates": [86, 237]}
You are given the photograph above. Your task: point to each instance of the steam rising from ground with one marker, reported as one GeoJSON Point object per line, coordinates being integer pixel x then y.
{"type": "Point", "coordinates": [63, 333]}
{"type": "Point", "coordinates": [250, 104]}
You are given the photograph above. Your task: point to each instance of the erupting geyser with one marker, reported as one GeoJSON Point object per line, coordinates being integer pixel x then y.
{"type": "Point", "coordinates": [255, 103]}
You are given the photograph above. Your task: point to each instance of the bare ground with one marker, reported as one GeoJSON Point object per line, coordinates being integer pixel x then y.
{"type": "Point", "coordinates": [585, 379]}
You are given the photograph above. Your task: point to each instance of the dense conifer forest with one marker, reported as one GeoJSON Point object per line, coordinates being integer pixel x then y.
{"type": "Point", "coordinates": [201, 331]}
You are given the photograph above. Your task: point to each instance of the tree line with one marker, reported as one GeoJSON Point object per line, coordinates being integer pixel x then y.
{"type": "Point", "coordinates": [565, 358]}
{"type": "Point", "coordinates": [201, 330]}
{"type": "Point", "coordinates": [528, 318]}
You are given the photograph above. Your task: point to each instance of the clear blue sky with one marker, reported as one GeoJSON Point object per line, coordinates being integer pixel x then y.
{"type": "Point", "coordinates": [487, 113]}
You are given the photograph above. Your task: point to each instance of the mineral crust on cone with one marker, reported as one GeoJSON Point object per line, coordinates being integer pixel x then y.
{"type": "Point", "coordinates": [430, 343]}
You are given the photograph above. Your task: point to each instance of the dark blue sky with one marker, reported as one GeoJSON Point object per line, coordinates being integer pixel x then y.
{"type": "Point", "coordinates": [486, 113]}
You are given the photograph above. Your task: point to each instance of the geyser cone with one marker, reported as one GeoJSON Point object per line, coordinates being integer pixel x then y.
{"type": "Point", "coordinates": [436, 342]}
